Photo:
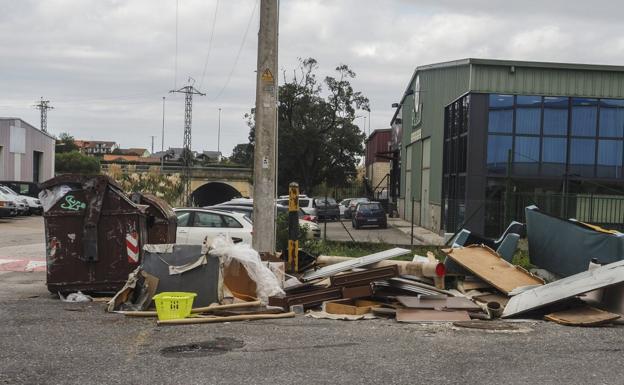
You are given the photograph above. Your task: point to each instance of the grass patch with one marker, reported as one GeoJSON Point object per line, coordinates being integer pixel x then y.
{"type": "Point", "coordinates": [360, 249]}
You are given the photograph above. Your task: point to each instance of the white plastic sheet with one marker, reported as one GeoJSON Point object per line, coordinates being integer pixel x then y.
{"type": "Point", "coordinates": [267, 284]}
{"type": "Point", "coordinates": [49, 197]}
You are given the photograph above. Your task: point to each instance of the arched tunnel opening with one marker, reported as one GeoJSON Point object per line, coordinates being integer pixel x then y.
{"type": "Point", "coordinates": [214, 193]}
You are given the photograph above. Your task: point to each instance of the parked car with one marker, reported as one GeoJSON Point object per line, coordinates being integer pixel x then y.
{"type": "Point", "coordinates": [197, 224]}
{"type": "Point", "coordinates": [21, 205]}
{"type": "Point", "coordinates": [30, 205]}
{"type": "Point", "coordinates": [369, 213]}
{"type": "Point", "coordinates": [343, 206]}
{"type": "Point", "coordinates": [7, 207]}
{"type": "Point", "coordinates": [314, 231]}
{"type": "Point", "coordinates": [30, 189]}
{"type": "Point", "coordinates": [352, 205]}
{"type": "Point", "coordinates": [326, 208]}
{"type": "Point", "coordinates": [305, 203]}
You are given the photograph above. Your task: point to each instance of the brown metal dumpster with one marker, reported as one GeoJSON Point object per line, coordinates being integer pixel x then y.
{"type": "Point", "coordinates": [161, 219]}
{"type": "Point", "coordinates": [94, 233]}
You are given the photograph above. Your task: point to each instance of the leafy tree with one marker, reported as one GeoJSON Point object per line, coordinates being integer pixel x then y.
{"type": "Point", "coordinates": [318, 141]}
{"type": "Point", "coordinates": [243, 154]}
{"type": "Point", "coordinates": [65, 143]}
{"type": "Point", "coordinates": [76, 163]}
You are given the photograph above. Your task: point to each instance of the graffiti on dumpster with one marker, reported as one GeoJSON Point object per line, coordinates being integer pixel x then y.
{"type": "Point", "coordinates": [72, 203]}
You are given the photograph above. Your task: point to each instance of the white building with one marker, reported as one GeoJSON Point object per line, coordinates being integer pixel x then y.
{"type": "Point", "coordinates": [26, 153]}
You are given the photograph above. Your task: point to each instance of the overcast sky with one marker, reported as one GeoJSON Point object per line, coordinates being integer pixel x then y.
{"type": "Point", "coordinates": [106, 64]}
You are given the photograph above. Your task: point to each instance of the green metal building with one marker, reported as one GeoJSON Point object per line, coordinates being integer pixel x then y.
{"type": "Point", "coordinates": [467, 132]}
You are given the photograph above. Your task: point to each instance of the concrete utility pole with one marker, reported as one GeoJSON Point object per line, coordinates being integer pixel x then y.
{"type": "Point", "coordinates": [44, 106]}
{"type": "Point", "coordinates": [188, 92]}
{"type": "Point", "coordinates": [219, 135]}
{"type": "Point", "coordinates": [152, 136]}
{"type": "Point", "coordinates": [265, 166]}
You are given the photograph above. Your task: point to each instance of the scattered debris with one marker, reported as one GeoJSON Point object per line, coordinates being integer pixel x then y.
{"type": "Point", "coordinates": [354, 263]}
{"type": "Point", "coordinates": [75, 297]}
{"type": "Point", "coordinates": [582, 316]}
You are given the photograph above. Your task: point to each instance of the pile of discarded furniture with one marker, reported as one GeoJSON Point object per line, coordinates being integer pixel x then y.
{"type": "Point", "coordinates": [101, 240]}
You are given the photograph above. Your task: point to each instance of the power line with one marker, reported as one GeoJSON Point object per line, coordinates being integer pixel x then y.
{"type": "Point", "coordinates": [240, 49]}
{"type": "Point", "coordinates": [44, 106]}
{"type": "Point", "coordinates": [212, 29]}
{"type": "Point", "coordinates": [175, 70]}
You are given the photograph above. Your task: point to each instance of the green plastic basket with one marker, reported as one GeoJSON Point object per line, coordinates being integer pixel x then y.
{"type": "Point", "coordinates": [174, 305]}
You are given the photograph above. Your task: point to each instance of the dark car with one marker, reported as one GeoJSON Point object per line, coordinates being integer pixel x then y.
{"type": "Point", "coordinates": [326, 208]}
{"type": "Point", "coordinates": [369, 214]}
{"type": "Point", "coordinates": [352, 205]}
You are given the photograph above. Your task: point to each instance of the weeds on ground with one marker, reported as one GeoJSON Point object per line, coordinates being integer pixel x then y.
{"type": "Point", "coordinates": [359, 249]}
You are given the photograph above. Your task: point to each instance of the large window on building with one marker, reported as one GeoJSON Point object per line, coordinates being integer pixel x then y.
{"type": "Point", "coordinates": [456, 130]}
{"type": "Point", "coordinates": [556, 136]}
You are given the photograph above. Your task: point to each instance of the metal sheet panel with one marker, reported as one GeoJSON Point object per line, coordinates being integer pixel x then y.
{"type": "Point", "coordinates": [565, 288]}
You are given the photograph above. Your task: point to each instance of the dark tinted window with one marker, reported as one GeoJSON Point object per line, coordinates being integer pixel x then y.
{"type": "Point", "coordinates": [230, 222]}
{"type": "Point", "coordinates": [528, 121]}
{"type": "Point", "coordinates": [497, 150]}
{"type": "Point", "coordinates": [500, 121]}
{"type": "Point", "coordinates": [369, 207]}
{"type": "Point", "coordinates": [207, 220]}
{"type": "Point", "coordinates": [501, 101]}
{"type": "Point", "coordinates": [584, 117]}
{"type": "Point", "coordinates": [609, 159]}
{"type": "Point", "coordinates": [304, 202]}
{"type": "Point", "coordinates": [183, 218]}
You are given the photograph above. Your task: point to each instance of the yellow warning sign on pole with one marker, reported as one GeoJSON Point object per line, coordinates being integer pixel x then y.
{"type": "Point", "coordinates": [267, 76]}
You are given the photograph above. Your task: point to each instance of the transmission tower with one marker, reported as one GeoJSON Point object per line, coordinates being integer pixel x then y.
{"type": "Point", "coordinates": [187, 154]}
{"type": "Point", "coordinates": [44, 106]}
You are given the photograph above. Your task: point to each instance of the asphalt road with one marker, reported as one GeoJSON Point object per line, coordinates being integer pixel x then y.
{"type": "Point", "coordinates": [337, 232]}
{"type": "Point", "coordinates": [45, 341]}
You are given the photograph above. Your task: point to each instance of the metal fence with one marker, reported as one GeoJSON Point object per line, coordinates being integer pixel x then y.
{"type": "Point", "coordinates": [602, 210]}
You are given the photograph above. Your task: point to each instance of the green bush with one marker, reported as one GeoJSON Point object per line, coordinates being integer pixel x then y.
{"type": "Point", "coordinates": [76, 163]}
{"type": "Point", "coordinates": [281, 236]}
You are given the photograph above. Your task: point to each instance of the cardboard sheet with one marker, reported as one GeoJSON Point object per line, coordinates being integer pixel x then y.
{"type": "Point", "coordinates": [582, 316]}
{"type": "Point", "coordinates": [490, 267]}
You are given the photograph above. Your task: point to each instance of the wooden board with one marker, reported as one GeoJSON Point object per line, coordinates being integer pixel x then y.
{"type": "Point", "coordinates": [582, 316]}
{"type": "Point", "coordinates": [490, 267]}
{"type": "Point", "coordinates": [565, 288]}
{"type": "Point", "coordinates": [424, 315]}
{"type": "Point", "coordinates": [457, 303]}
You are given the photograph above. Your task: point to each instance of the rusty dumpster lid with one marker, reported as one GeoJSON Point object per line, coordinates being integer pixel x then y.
{"type": "Point", "coordinates": [79, 179]}
{"type": "Point", "coordinates": [153, 201]}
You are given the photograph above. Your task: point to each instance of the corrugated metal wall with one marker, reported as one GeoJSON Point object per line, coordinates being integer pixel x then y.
{"type": "Point", "coordinates": [547, 81]}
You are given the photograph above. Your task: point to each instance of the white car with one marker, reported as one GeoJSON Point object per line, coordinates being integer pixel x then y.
{"type": "Point", "coordinates": [196, 225]}
{"type": "Point", "coordinates": [344, 205]}
{"type": "Point", "coordinates": [29, 205]}
{"type": "Point", "coordinates": [306, 204]}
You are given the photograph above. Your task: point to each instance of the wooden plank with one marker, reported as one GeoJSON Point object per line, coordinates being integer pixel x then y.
{"type": "Point", "coordinates": [438, 303]}
{"type": "Point", "coordinates": [345, 306]}
{"type": "Point", "coordinates": [565, 288]}
{"type": "Point", "coordinates": [490, 267]}
{"type": "Point", "coordinates": [424, 315]}
{"type": "Point", "coordinates": [582, 316]}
